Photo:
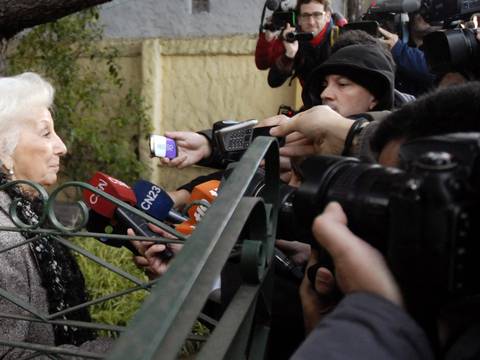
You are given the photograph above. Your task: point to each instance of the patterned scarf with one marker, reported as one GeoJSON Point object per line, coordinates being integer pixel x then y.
{"type": "Point", "coordinates": [59, 272]}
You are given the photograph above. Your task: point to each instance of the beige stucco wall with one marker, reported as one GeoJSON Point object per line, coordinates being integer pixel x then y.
{"type": "Point", "coordinates": [190, 83]}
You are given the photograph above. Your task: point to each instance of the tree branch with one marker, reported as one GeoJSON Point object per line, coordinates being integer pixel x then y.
{"type": "Point", "coordinates": [16, 15]}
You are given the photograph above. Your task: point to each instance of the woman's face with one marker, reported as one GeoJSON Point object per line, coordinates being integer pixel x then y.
{"type": "Point", "coordinates": [37, 154]}
{"type": "Point", "coordinates": [345, 96]}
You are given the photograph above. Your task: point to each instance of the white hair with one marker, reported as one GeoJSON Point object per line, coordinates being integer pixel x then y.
{"type": "Point", "coordinates": [18, 96]}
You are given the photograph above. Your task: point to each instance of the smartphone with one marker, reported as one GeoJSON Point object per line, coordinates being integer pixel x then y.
{"type": "Point", "coordinates": [162, 146]}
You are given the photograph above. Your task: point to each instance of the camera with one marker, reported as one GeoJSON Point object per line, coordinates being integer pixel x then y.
{"type": "Point", "coordinates": [280, 19]}
{"type": "Point", "coordinates": [423, 217]}
{"type": "Point", "coordinates": [283, 14]}
{"type": "Point", "coordinates": [452, 50]}
{"type": "Point", "coordinates": [445, 11]}
{"type": "Point", "coordinates": [298, 36]}
{"type": "Point", "coordinates": [448, 11]}
{"type": "Point", "coordinates": [392, 15]}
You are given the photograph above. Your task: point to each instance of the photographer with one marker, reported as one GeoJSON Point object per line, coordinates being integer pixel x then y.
{"type": "Point", "coordinates": [300, 58]}
{"type": "Point", "coordinates": [369, 323]}
{"type": "Point", "coordinates": [361, 274]}
{"type": "Point", "coordinates": [413, 75]}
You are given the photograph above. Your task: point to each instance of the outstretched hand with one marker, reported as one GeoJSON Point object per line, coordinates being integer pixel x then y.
{"type": "Point", "coordinates": [191, 148]}
{"type": "Point", "coordinates": [319, 130]}
{"type": "Point", "coordinates": [149, 258]}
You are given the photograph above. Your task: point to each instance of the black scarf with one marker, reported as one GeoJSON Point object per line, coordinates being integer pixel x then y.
{"type": "Point", "coordinates": [59, 272]}
{"type": "Point", "coordinates": [309, 57]}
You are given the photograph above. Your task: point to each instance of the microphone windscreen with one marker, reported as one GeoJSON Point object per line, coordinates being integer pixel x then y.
{"type": "Point", "coordinates": [152, 199]}
{"type": "Point", "coordinates": [111, 186]}
{"type": "Point", "coordinates": [206, 191]}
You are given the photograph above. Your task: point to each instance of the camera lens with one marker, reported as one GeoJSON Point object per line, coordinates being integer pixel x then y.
{"type": "Point", "coordinates": [363, 190]}
{"type": "Point", "coordinates": [448, 50]}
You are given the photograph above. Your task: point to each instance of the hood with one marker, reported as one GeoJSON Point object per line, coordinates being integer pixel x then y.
{"type": "Point", "coordinates": [365, 65]}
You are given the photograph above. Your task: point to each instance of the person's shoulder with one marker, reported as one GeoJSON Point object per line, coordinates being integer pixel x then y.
{"type": "Point", "coordinates": [7, 237]}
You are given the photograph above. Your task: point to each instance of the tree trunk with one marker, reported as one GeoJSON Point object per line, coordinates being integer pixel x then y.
{"type": "Point", "coordinates": [354, 10]}
{"type": "Point", "coordinates": [16, 15]}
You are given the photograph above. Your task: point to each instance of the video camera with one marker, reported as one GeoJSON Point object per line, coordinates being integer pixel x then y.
{"type": "Point", "coordinates": [283, 14]}
{"type": "Point", "coordinates": [423, 217]}
{"type": "Point", "coordinates": [443, 11]}
{"type": "Point", "coordinates": [392, 15]}
{"type": "Point", "coordinates": [446, 50]}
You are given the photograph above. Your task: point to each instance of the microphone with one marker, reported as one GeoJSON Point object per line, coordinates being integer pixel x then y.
{"type": "Point", "coordinates": [205, 192]}
{"type": "Point", "coordinates": [273, 4]}
{"type": "Point", "coordinates": [201, 198]}
{"type": "Point", "coordinates": [339, 19]}
{"type": "Point", "coordinates": [156, 202]}
{"type": "Point", "coordinates": [109, 210]}
{"type": "Point", "coordinates": [101, 224]}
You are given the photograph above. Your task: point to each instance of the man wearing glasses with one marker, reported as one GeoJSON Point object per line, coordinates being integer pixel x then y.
{"type": "Point", "coordinates": [300, 57]}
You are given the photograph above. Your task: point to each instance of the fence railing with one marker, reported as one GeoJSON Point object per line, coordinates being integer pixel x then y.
{"type": "Point", "coordinates": [236, 228]}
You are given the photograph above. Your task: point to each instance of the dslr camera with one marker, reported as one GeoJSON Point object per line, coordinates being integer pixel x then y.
{"type": "Point", "coordinates": [424, 217]}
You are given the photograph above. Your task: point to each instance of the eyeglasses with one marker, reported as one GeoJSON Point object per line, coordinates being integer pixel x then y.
{"type": "Point", "coordinates": [317, 15]}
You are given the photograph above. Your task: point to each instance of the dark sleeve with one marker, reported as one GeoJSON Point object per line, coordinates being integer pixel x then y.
{"type": "Point", "coordinates": [216, 159]}
{"type": "Point", "coordinates": [412, 61]}
{"type": "Point", "coordinates": [201, 179]}
{"type": "Point", "coordinates": [264, 52]}
{"type": "Point", "coordinates": [366, 326]}
{"type": "Point", "coordinates": [361, 147]}
{"type": "Point", "coordinates": [280, 71]}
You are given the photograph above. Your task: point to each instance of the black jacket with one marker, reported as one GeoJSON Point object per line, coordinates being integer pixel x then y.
{"type": "Point", "coordinates": [365, 326]}
{"type": "Point", "coordinates": [307, 58]}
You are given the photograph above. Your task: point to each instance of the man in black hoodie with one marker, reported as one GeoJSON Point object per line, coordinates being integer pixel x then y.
{"type": "Point", "coordinates": [355, 79]}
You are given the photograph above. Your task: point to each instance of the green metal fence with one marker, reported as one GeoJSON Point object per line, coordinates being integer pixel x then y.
{"type": "Point", "coordinates": [235, 227]}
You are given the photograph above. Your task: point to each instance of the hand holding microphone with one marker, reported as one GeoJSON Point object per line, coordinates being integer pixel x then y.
{"type": "Point", "coordinates": [201, 198]}
{"type": "Point", "coordinates": [118, 216]}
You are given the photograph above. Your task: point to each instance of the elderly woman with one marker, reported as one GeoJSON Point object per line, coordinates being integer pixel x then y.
{"type": "Point", "coordinates": [41, 273]}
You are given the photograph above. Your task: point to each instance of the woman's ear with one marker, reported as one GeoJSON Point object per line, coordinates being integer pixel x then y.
{"type": "Point", "coordinates": [6, 162]}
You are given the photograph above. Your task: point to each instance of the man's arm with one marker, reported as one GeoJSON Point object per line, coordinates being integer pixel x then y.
{"type": "Point", "coordinates": [369, 323]}
{"type": "Point", "coordinates": [282, 68]}
{"type": "Point", "coordinates": [267, 50]}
